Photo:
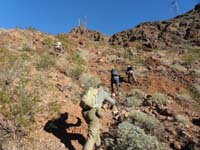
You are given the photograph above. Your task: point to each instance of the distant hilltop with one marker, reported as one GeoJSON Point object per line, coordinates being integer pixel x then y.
{"type": "Point", "coordinates": [184, 29]}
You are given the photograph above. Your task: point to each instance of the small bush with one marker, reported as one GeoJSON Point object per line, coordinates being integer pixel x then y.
{"type": "Point", "coordinates": [189, 58]}
{"type": "Point", "coordinates": [131, 137]}
{"type": "Point", "coordinates": [139, 60]}
{"type": "Point", "coordinates": [184, 97]}
{"type": "Point", "coordinates": [179, 68]}
{"type": "Point", "coordinates": [87, 80]}
{"type": "Point", "coordinates": [159, 98]}
{"type": "Point", "coordinates": [182, 119]}
{"type": "Point", "coordinates": [196, 90]}
{"type": "Point", "coordinates": [26, 47]}
{"type": "Point", "coordinates": [4, 98]}
{"type": "Point", "coordinates": [135, 98]}
{"type": "Point", "coordinates": [77, 59]}
{"type": "Point", "coordinates": [77, 71]}
{"type": "Point", "coordinates": [149, 124]}
{"type": "Point", "coordinates": [46, 61]}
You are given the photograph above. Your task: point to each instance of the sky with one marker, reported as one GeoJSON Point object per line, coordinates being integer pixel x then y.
{"type": "Point", "coordinates": [106, 16]}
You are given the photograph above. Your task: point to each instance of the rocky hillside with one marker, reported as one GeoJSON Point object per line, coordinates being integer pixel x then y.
{"type": "Point", "coordinates": [182, 30]}
{"type": "Point", "coordinates": [40, 91]}
{"type": "Point", "coordinates": [92, 35]}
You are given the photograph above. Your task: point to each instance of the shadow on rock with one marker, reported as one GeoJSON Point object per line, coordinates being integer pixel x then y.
{"type": "Point", "coordinates": [196, 122]}
{"type": "Point", "coordinates": [58, 127]}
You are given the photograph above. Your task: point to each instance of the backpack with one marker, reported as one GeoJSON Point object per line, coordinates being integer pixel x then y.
{"type": "Point", "coordinates": [89, 100]}
{"type": "Point", "coordinates": [114, 72]}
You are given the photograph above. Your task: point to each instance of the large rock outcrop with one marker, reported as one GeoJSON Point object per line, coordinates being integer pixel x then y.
{"type": "Point", "coordinates": [184, 29]}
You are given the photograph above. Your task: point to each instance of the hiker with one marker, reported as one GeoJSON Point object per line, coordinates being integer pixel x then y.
{"type": "Point", "coordinates": [130, 74]}
{"type": "Point", "coordinates": [58, 47]}
{"type": "Point", "coordinates": [115, 79]}
{"type": "Point", "coordinates": [132, 53]}
{"type": "Point", "coordinates": [91, 103]}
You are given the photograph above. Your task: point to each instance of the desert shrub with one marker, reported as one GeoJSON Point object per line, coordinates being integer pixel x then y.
{"type": "Point", "coordinates": [184, 97]}
{"type": "Point", "coordinates": [135, 98]}
{"type": "Point", "coordinates": [26, 47]}
{"type": "Point", "coordinates": [46, 61]}
{"type": "Point", "coordinates": [21, 107]}
{"type": "Point", "coordinates": [179, 68]}
{"type": "Point", "coordinates": [78, 59]}
{"type": "Point", "coordinates": [83, 54]}
{"type": "Point", "coordinates": [149, 124]}
{"type": "Point", "coordinates": [139, 60]}
{"type": "Point", "coordinates": [161, 69]}
{"type": "Point", "coordinates": [159, 98]}
{"type": "Point", "coordinates": [131, 137]}
{"type": "Point", "coordinates": [196, 90]}
{"type": "Point", "coordinates": [189, 58]}
{"type": "Point", "coordinates": [87, 80]}
{"type": "Point", "coordinates": [77, 71]}
{"type": "Point", "coordinates": [4, 98]}
{"type": "Point", "coordinates": [182, 119]}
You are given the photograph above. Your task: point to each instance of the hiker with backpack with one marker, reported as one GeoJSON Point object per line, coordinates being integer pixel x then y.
{"type": "Point", "coordinates": [130, 74]}
{"type": "Point", "coordinates": [91, 104]}
{"type": "Point", "coordinates": [115, 79]}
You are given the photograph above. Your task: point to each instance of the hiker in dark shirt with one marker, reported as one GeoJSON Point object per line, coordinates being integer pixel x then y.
{"type": "Point", "coordinates": [115, 79]}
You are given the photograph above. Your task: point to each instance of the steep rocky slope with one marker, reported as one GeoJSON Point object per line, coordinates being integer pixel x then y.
{"type": "Point", "coordinates": [40, 91]}
{"type": "Point", "coordinates": [182, 30]}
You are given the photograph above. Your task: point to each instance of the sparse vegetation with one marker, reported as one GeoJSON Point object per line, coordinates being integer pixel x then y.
{"type": "Point", "coordinates": [131, 137]}
{"type": "Point", "coordinates": [179, 68]}
{"type": "Point", "coordinates": [87, 80]}
{"type": "Point", "coordinates": [159, 98]}
{"type": "Point", "coordinates": [196, 90]}
{"type": "Point", "coordinates": [54, 108]}
{"type": "Point", "coordinates": [77, 71]}
{"type": "Point", "coordinates": [48, 41]}
{"type": "Point", "coordinates": [139, 60]}
{"type": "Point", "coordinates": [149, 124]}
{"type": "Point", "coordinates": [135, 98]}
{"type": "Point", "coordinates": [184, 98]}
{"type": "Point", "coordinates": [182, 119]}
{"type": "Point", "coordinates": [26, 47]}
{"type": "Point", "coordinates": [46, 61]}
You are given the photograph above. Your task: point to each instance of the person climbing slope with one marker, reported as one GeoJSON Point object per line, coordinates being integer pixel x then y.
{"type": "Point", "coordinates": [91, 104]}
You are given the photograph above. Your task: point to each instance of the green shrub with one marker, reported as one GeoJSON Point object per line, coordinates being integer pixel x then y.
{"type": "Point", "coordinates": [149, 124]}
{"type": "Point", "coordinates": [87, 80]}
{"type": "Point", "coordinates": [182, 119]}
{"type": "Point", "coordinates": [46, 61]}
{"type": "Point", "coordinates": [77, 59]}
{"type": "Point", "coordinates": [196, 90]}
{"type": "Point", "coordinates": [190, 58]}
{"type": "Point", "coordinates": [77, 71]}
{"type": "Point", "coordinates": [4, 98]}
{"type": "Point", "coordinates": [179, 68]}
{"type": "Point", "coordinates": [26, 47]}
{"type": "Point", "coordinates": [135, 98]}
{"type": "Point", "coordinates": [131, 137]}
{"type": "Point", "coordinates": [159, 98]}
